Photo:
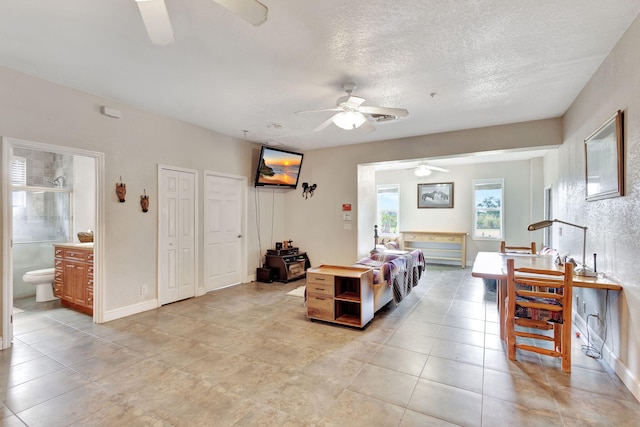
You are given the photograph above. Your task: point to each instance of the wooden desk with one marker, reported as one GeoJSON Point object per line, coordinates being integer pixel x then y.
{"type": "Point", "coordinates": [493, 265]}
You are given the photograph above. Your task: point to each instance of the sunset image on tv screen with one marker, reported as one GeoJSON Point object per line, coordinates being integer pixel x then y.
{"type": "Point", "coordinates": [279, 168]}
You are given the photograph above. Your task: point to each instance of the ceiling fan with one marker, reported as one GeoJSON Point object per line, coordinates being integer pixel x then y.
{"type": "Point", "coordinates": [156, 18]}
{"type": "Point", "coordinates": [425, 169]}
{"type": "Point", "coordinates": [351, 114]}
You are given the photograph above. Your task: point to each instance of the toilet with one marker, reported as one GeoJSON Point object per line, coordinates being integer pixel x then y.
{"type": "Point", "coordinates": [43, 279]}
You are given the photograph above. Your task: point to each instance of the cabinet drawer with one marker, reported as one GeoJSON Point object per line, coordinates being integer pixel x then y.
{"type": "Point", "coordinates": [75, 255]}
{"type": "Point", "coordinates": [320, 306]}
{"type": "Point", "coordinates": [443, 239]}
{"type": "Point", "coordinates": [319, 278]}
{"type": "Point", "coordinates": [322, 289]}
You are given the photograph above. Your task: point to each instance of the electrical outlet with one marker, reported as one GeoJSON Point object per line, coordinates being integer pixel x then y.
{"type": "Point", "coordinates": [560, 231]}
{"type": "Point", "coordinates": [143, 290]}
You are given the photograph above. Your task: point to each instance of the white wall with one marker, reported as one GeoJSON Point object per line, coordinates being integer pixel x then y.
{"type": "Point", "coordinates": [613, 231]}
{"type": "Point", "coordinates": [36, 110]}
{"type": "Point", "coordinates": [84, 195]}
{"type": "Point", "coordinates": [317, 223]}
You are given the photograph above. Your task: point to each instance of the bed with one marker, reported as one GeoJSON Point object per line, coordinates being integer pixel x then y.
{"type": "Point", "coordinates": [395, 274]}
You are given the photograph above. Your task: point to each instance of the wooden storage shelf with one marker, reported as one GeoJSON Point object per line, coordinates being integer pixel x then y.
{"type": "Point", "coordinates": [340, 294]}
{"type": "Point", "coordinates": [437, 245]}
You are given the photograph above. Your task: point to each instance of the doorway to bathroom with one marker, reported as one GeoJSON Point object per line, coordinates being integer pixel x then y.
{"type": "Point", "coordinates": [50, 194]}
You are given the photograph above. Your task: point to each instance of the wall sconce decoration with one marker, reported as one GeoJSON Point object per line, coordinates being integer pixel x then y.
{"type": "Point", "coordinates": [144, 201]}
{"type": "Point", "coordinates": [308, 189]}
{"type": "Point", "coordinates": [121, 190]}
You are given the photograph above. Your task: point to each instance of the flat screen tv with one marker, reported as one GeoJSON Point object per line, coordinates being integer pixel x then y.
{"type": "Point", "coordinates": [278, 168]}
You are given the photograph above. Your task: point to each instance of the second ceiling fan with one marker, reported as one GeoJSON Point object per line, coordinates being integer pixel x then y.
{"type": "Point", "coordinates": [158, 24]}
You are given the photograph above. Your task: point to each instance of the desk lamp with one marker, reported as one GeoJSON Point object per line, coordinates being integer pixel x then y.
{"type": "Point", "coordinates": [581, 270]}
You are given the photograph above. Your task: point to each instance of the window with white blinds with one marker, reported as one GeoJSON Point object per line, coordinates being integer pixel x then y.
{"type": "Point", "coordinates": [18, 171]}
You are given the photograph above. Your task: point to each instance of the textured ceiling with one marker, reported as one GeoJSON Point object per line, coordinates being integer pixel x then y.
{"type": "Point", "coordinates": [488, 62]}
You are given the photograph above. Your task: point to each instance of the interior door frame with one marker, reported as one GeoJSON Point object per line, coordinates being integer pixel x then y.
{"type": "Point", "coordinates": [196, 213]}
{"type": "Point", "coordinates": [7, 229]}
{"type": "Point", "coordinates": [243, 221]}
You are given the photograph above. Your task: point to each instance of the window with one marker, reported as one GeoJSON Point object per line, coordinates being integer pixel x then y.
{"type": "Point", "coordinates": [18, 171]}
{"type": "Point", "coordinates": [388, 207]}
{"type": "Point", "coordinates": [488, 214]}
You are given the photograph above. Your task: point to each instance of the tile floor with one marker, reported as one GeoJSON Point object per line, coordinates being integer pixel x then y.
{"type": "Point", "coordinates": [247, 356]}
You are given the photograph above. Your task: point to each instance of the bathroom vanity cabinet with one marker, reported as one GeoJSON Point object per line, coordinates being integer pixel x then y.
{"type": "Point", "coordinates": [73, 282]}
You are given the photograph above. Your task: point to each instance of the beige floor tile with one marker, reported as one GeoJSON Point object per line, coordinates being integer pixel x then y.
{"type": "Point", "coordinates": [39, 390]}
{"type": "Point", "coordinates": [532, 392]}
{"type": "Point", "coordinates": [464, 336]}
{"type": "Point", "coordinates": [453, 373]}
{"type": "Point", "coordinates": [248, 355]}
{"type": "Point", "coordinates": [67, 408]}
{"type": "Point", "coordinates": [355, 409]}
{"type": "Point", "coordinates": [416, 419]}
{"type": "Point", "coordinates": [26, 371]}
{"type": "Point", "coordinates": [409, 341]}
{"type": "Point", "coordinates": [459, 352]}
{"type": "Point", "coordinates": [384, 384]}
{"type": "Point", "coordinates": [496, 412]}
{"type": "Point", "coordinates": [399, 359]}
{"type": "Point", "coordinates": [448, 403]}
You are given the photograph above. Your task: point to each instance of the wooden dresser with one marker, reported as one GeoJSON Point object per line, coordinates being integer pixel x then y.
{"type": "Point", "coordinates": [73, 282]}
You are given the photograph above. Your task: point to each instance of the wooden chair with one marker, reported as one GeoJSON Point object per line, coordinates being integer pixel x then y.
{"type": "Point", "coordinates": [522, 249]}
{"type": "Point", "coordinates": [539, 301]}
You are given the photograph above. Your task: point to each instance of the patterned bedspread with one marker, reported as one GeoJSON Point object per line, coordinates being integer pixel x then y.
{"type": "Point", "coordinates": [401, 271]}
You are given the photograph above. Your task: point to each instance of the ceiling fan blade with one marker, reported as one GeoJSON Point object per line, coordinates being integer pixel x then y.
{"type": "Point", "coordinates": [367, 126]}
{"type": "Point", "coordinates": [398, 112]}
{"type": "Point", "coordinates": [325, 123]}
{"type": "Point", "coordinates": [353, 101]}
{"type": "Point", "coordinates": [251, 11]}
{"type": "Point", "coordinates": [156, 21]}
{"type": "Point", "coordinates": [319, 111]}
{"type": "Point", "coordinates": [436, 168]}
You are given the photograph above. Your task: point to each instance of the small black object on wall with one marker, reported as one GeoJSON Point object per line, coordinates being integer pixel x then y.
{"type": "Point", "coordinates": [307, 190]}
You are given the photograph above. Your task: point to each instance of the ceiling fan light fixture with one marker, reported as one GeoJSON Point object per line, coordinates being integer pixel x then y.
{"type": "Point", "coordinates": [422, 171]}
{"type": "Point", "coordinates": [349, 120]}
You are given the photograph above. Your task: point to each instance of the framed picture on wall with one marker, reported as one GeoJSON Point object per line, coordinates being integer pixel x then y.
{"type": "Point", "coordinates": [604, 157]}
{"type": "Point", "coordinates": [438, 195]}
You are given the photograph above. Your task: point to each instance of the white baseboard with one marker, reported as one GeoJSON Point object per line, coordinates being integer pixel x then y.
{"type": "Point", "coordinates": [609, 357]}
{"type": "Point", "coordinates": [129, 310]}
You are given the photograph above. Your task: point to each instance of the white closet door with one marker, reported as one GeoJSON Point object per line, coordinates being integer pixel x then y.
{"type": "Point", "coordinates": [224, 211]}
{"type": "Point", "coordinates": [177, 235]}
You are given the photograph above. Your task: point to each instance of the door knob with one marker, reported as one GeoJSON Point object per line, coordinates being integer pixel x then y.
{"type": "Point", "coordinates": [239, 236]}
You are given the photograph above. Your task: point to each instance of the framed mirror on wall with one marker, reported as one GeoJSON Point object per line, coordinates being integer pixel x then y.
{"type": "Point", "coordinates": [604, 156]}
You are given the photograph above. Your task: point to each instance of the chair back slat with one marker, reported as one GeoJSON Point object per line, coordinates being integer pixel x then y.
{"type": "Point", "coordinates": [540, 301]}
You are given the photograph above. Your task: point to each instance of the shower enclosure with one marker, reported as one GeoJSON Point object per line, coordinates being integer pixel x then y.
{"type": "Point", "coordinates": [42, 205]}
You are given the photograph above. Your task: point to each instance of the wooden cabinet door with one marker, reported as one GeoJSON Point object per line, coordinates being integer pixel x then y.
{"type": "Point", "coordinates": [75, 282]}
{"type": "Point", "coordinates": [79, 284]}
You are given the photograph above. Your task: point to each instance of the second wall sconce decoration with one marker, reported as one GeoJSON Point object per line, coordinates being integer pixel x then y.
{"type": "Point", "coordinates": [144, 201]}
{"type": "Point", "coordinates": [121, 190]}
{"type": "Point", "coordinates": [307, 190]}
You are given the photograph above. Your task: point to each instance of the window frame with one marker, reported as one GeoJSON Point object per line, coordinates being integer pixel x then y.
{"type": "Point", "coordinates": [501, 210]}
{"type": "Point", "coordinates": [379, 212]}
